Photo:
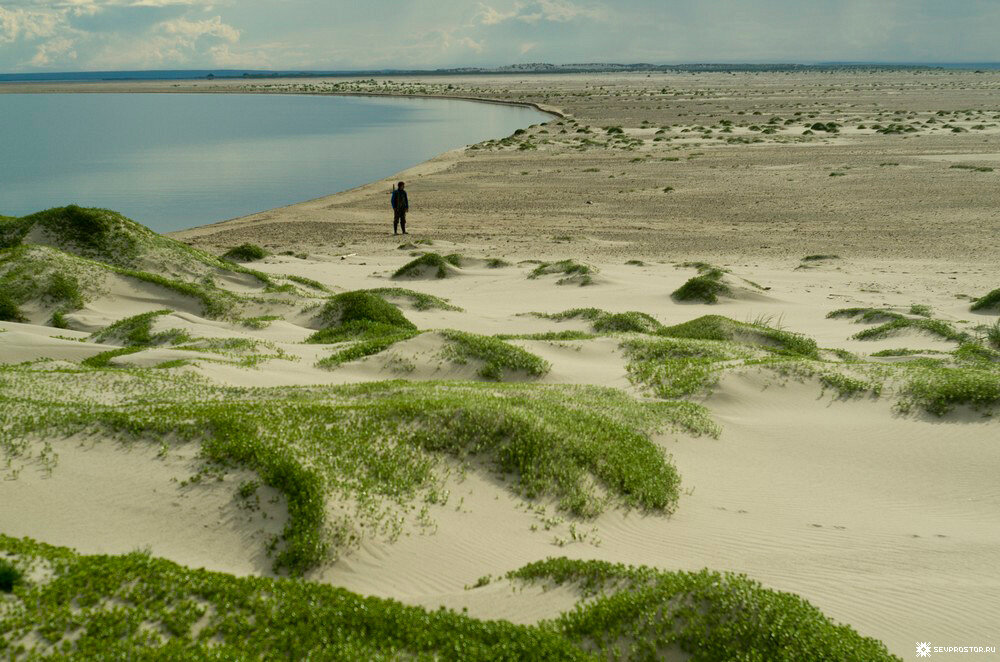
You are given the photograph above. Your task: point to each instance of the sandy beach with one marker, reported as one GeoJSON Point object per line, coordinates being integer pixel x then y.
{"type": "Point", "coordinates": [842, 473]}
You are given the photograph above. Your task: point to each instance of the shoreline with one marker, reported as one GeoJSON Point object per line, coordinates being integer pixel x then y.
{"type": "Point", "coordinates": [134, 87]}
{"type": "Point", "coordinates": [56, 89]}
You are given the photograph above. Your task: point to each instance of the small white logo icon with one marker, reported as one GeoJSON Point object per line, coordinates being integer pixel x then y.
{"type": "Point", "coordinates": [923, 649]}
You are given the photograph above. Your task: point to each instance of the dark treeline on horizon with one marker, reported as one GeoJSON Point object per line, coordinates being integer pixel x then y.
{"type": "Point", "coordinates": [183, 74]}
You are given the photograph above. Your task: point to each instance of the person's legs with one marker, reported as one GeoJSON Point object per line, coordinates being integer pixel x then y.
{"type": "Point", "coordinates": [402, 221]}
{"type": "Point", "coordinates": [395, 223]}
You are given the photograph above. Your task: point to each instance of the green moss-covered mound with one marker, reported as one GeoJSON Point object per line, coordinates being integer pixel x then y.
{"type": "Point", "coordinates": [357, 315]}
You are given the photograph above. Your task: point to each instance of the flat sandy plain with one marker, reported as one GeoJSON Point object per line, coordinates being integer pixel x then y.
{"type": "Point", "coordinates": [886, 519]}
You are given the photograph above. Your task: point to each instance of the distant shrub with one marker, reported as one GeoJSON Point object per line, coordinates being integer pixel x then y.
{"type": "Point", "coordinates": [9, 576]}
{"type": "Point", "coordinates": [707, 287]}
{"type": "Point", "coordinates": [245, 253]}
{"type": "Point", "coordinates": [9, 309]}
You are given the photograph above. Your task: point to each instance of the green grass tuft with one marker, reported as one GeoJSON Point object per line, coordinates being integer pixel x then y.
{"type": "Point", "coordinates": [933, 327]}
{"type": "Point", "coordinates": [360, 350]}
{"type": "Point", "coordinates": [245, 253]}
{"type": "Point", "coordinates": [359, 315]}
{"type": "Point", "coordinates": [674, 368]}
{"type": "Point", "coordinates": [717, 327]}
{"type": "Point", "coordinates": [817, 258]}
{"type": "Point", "coordinates": [707, 288]}
{"type": "Point", "coordinates": [420, 300]}
{"type": "Point", "coordinates": [497, 356]}
{"type": "Point", "coordinates": [308, 282]}
{"type": "Point", "coordinates": [938, 389]}
{"type": "Point", "coordinates": [136, 331]}
{"type": "Point", "coordinates": [989, 302]}
{"type": "Point", "coordinates": [602, 321]}
{"type": "Point", "coordinates": [428, 262]}
{"type": "Point", "coordinates": [573, 272]}
{"type": "Point", "coordinates": [103, 360]}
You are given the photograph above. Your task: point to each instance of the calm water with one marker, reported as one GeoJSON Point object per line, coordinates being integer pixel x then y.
{"type": "Point", "coordinates": [173, 161]}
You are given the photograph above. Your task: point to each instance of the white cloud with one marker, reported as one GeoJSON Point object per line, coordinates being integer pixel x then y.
{"type": "Point", "coordinates": [490, 16]}
{"type": "Point", "coordinates": [59, 48]}
{"type": "Point", "coordinates": [471, 44]}
{"type": "Point", "coordinates": [527, 47]}
{"type": "Point", "coordinates": [554, 11]}
{"type": "Point", "coordinates": [27, 24]}
{"type": "Point", "coordinates": [188, 32]}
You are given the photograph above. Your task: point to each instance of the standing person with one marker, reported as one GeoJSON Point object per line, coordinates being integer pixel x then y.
{"type": "Point", "coordinates": [400, 205]}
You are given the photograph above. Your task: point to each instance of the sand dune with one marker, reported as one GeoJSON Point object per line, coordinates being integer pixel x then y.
{"type": "Point", "coordinates": [853, 472]}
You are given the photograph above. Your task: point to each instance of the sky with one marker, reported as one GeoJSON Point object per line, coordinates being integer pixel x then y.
{"type": "Point", "coordinates": [100, 35]}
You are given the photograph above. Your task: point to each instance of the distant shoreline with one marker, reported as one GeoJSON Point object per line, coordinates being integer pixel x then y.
{"type": "Point", "coordinates": [146, 75]}
{"type": "Point", "coordinates": [144, 87]}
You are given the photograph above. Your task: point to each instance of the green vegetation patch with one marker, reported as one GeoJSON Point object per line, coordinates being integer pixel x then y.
{"type": "Point", "coordinates": [245, 253]}
{"type": "Point", "coordinates": [548, 335]}
{"type": "Point", "coordinates": [429, 263]}
{"type": "Point", "coordinates": [383, 446]}
{"type": "Point", "coordinates": [498, 357]}
{"type": "Point", "coordinates": [359, 315]}
{"type": "Point", "coordinates": [938, 389]}
{"type": "Point", "coordinates": [602, 321]}
{"type": "Point", "coordinates": [135, 606]}
{"type": "Point", "coordinates": [642, 613]}
{"type": "Point", "coordinates": [137, 331]}
{"type": "Point", "coordinates": [932, 327]}
{"type": "Point", "coordinates": [10, 311]}
{"type": "Point", "coordinates": [717, 327]}
{"type": "Point", "coordinates": [45, 276]}
{"type": "Point", "coordinates": [419, 300]}
{"type": "Point", "coordinates": [706, 287]}
{"type": "Point", "coordinates": [676, 367]}
{"type": "Point", "coordinates": [866, 315]}
{"type": "Point", "coordinates": [10, 576]}
{"type": "Point", "coordinates": [988, 303]}
{"type": "Point", "coordinates": [103, 360]}
{"type": "Point", "coordinates": [573, 272]}
{"type": "Point", "coordinates": [363, 348]}
{"type": "Point", "coordinates": [819, 258]}
{"type": "Point", "coordinates": [308, 282]}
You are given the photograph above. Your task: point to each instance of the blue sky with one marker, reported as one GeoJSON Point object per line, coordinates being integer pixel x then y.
{"type": "Point", "coordinates": [71, 35]}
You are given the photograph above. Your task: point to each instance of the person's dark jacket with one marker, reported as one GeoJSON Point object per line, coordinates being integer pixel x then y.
{"type": "Point", "coordinates": [399, 200]}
